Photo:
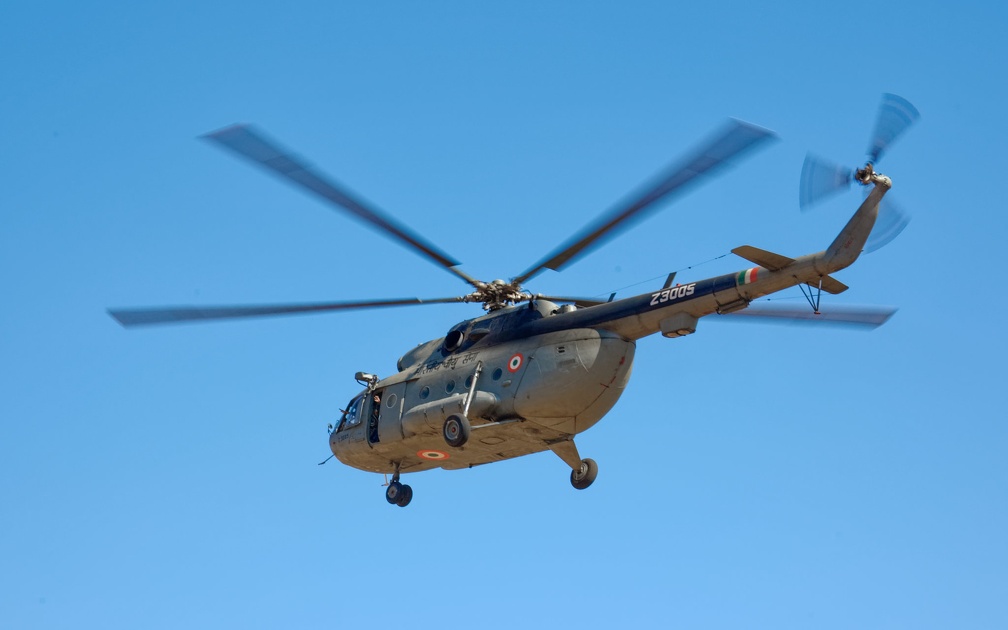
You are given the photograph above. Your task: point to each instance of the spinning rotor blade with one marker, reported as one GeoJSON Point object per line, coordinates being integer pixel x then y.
{"type": "Point", "coordinates": [890, 222]}
{"type": "Point", "coordinates": [733, 140]}
{"type": "Point", "coordinates": [249, 143]}
{"type": "Point", "coordinates": [579, 302]}
{"type": "Point", "coordinates": [130, 317]}
{"type": "Point", "coordinates": [871, 317]}
{"type": "Point", "coordinates": [895, 115]}
{"type": "Point", "coordinates": [821, 179]}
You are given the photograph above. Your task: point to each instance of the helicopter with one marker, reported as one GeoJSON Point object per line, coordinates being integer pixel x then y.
{"type": "Point", "coordinates": [536, 370]}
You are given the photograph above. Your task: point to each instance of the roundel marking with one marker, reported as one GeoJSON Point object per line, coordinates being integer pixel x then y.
{"type": "Point", "coordinates": [515, 363]}
{"type": "Point", "coordinates": [432, 455]}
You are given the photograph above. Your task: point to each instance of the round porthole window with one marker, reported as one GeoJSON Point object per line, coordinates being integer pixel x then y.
{"type": "Point", "coordinates": [497, 374]}
{"type": "Point", "coordinates": [390, 400]}
{"type": "Point", "coordinates": [468, 381]}
{"type": "Point", "coordinates": [450, 387]}
{"type": "Point", "coordinates": [424, 393]}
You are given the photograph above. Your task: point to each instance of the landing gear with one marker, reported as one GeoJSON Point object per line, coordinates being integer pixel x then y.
{"type": "Point", "coordinates": [456, 427]}
{"type": "Point", "coordinates": [583, 471]}
{"type": "Point", "coordinates": [456, 430]}
{"type": "Point", "coordinates": [584, 475]}
{"type": "Point", "coordinates": [398, 493]}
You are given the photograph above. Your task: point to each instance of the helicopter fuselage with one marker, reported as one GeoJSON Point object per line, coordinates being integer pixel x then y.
{"type": "Point", "coordinates": [530, 377]}
{"type": "Point", "coordinates": [526, 392]}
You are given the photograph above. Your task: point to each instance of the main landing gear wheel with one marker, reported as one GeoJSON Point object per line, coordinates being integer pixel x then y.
{"type": "Point", "coordinates": [456, 430]}
{"type": "Point", "coordinates": [405, 496]}
{"type": "Point", "coordinates": [398, 494]}
{"type": "Point", "coordinates": [583, 477]}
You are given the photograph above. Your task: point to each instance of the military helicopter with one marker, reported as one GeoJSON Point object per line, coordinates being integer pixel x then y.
{"type": "Point", "coordinates": [536, 370]}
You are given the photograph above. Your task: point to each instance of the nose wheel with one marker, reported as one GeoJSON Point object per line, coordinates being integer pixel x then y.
{"type": "Point", "coordinates": [397, 493]}
{"type": "Point", "coordinates": [584, 475]}
{"type": "Point", "coordinates": [583, 471]}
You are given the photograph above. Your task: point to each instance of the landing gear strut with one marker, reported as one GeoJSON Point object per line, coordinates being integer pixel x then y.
{"type": "Point", "coordinates": [398, 493]}
{"type": "Point", "coordinates": [456, 427]}
{"type": "Point", "coordinates": [583, 471]}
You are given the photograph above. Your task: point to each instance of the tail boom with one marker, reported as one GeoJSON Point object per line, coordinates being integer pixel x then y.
{"type": "Point", "coordinates": [675, 310]}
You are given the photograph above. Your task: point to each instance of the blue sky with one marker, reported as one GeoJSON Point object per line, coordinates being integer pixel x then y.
{"type": "Point", "coordinates": [751, 476]}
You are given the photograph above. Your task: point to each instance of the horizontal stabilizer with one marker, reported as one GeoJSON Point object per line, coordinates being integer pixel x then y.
{"type": "Point", "coordinates": [763, 258]}
{"type": "Point", "coordinates": [831, 285]}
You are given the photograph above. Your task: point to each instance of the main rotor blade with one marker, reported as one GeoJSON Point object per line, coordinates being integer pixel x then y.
{"type": "Point", "coordinates": [579, 302]}
{"type": "Point", "coordinates": [733, 140]}
{"type": "Point", "coordinates": [821, 179]}
{"type": "Point", "coordinates": [894, 116]}
{"type": "Point", "coordinates": [867, 316]}
{"type": "Point", "coordinates": [130, 317]}
{"type": "Point", "coordinates": [251, 144]}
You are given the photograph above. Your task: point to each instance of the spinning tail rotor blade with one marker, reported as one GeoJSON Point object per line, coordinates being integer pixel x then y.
{"type": "Point", "coordinates": [890, 222]}
{"type": "Point", "coordinates": [821, 179]}
{"type": "Point", "coordinates": [895, 115]}
{"type": "Point", "coordinates": [130, 317]}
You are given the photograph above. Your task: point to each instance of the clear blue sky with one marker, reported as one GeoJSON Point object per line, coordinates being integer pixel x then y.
{"type": "Point", "coordinates": [751, 476]}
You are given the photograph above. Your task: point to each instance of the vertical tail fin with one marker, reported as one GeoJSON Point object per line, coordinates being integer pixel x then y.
{"type": "Point", "coordinates": [847, 246]}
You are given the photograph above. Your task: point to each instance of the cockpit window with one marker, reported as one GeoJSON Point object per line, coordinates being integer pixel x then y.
{"type": "Point", "coordinates": [352, 415]}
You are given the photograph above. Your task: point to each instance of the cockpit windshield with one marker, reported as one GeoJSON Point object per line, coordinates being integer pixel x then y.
{"type": "Point", "coordinates": [352, 414]}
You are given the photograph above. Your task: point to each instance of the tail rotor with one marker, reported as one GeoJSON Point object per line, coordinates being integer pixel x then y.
{"type": "Point", "coordinates": [822, 179]}
{"type": "Point", "coordinates": [890, 222]}
{"type": "Point", "coordinates": [895, 115]}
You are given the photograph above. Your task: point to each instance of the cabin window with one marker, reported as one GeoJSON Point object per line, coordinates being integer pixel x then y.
{"type": "Point", "coordinates": [497, 374]}
{"type": "Point", "coordinates": [352, 414]}
{"type": "Point", "coordinates": [424, 393]}
{"type": "Point", "coordinates": [450, 387]}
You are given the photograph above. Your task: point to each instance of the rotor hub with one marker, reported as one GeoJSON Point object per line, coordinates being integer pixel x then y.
{"type": "Point", "coordinates": [864, 175]}
{"type": "Point", "coordinates": [497, 294]}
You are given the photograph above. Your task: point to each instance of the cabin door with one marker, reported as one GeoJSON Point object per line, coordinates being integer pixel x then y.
{"type": "Point", "coordinates": [389, 428]}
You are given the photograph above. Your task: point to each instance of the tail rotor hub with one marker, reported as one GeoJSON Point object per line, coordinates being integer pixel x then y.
{"type": "Point", "coordinates": [864, 175]}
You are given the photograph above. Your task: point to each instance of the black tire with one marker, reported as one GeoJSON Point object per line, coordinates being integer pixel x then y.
{"type": "Point", "coordinates": [456, 430]}
{"type": "Point", "coordinates": [585, 475]}
{"type": "Point", "coordinates": [405, 496]}
{"type": "Point", "coordinates": [393, 492]}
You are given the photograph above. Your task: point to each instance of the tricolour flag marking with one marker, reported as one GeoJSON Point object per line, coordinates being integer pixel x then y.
{"type": "Point", "coordinates": [747, 277]}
